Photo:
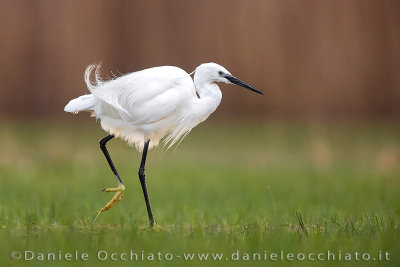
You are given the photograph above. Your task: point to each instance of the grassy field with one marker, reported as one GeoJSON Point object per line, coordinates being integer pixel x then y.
{"type": "Point", "coordinates": [235, 188]}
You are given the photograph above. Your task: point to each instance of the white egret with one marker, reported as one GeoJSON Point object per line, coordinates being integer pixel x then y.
{"type": "Point", "coordinates": [149, 106]}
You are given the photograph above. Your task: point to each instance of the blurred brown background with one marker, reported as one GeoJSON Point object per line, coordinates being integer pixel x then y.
{"type": "Point", "coordinates": [313, 59]}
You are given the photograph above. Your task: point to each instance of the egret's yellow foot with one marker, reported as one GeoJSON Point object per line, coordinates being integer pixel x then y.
{"type": "Point", "coordinates": [119, 191]}
{"type": "Point", "coordinates": [156, 227]}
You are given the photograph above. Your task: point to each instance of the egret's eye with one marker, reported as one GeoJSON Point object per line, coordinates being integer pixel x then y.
{"type": "Point", "coordinates": [220, 72]}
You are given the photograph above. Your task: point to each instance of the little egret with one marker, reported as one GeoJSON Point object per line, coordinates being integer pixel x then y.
{"type": "Point", "coordinates": [149, 106]}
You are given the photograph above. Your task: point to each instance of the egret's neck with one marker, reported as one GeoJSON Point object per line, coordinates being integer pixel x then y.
{"type": "Point", "coordinates": [209, 98]}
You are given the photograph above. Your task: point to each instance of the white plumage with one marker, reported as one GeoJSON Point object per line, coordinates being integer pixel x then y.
{"type": "Point", "coordinates": [147, 104]}
{"type": "Point", "coordinates": [155, 103]}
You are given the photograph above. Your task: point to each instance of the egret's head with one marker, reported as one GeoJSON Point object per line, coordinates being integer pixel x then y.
{"type": "Point", "coordinates": [213, 72]}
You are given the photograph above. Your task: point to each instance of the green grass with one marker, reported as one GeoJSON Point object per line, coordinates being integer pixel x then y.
{"type": "Point", "coordinates": [248, 187]}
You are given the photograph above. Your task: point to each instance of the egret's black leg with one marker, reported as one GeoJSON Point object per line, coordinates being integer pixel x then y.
{"type": "Point", "coordinates": [142, 178]}
{"type": "Point", "coordinates": [119, 191]}
{"type": "Point", "coordinates": [103, 148]}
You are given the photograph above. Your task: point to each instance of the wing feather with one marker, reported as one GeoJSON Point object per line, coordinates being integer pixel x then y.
{"type": "Point", "coordinates": [141, 97]}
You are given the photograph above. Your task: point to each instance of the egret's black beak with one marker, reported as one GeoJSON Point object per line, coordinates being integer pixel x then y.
{"type": "Point", "coordinates": [236, 81]}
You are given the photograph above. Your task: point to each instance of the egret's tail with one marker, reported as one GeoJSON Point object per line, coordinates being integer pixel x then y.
{"type": "Point", "coordinates": [82, 103]}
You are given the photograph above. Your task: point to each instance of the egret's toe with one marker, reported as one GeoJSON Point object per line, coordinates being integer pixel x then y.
{"type": "Point", "coordinates": [156, 227]}
{"type": "Point", "coordinates": [119, 191]}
